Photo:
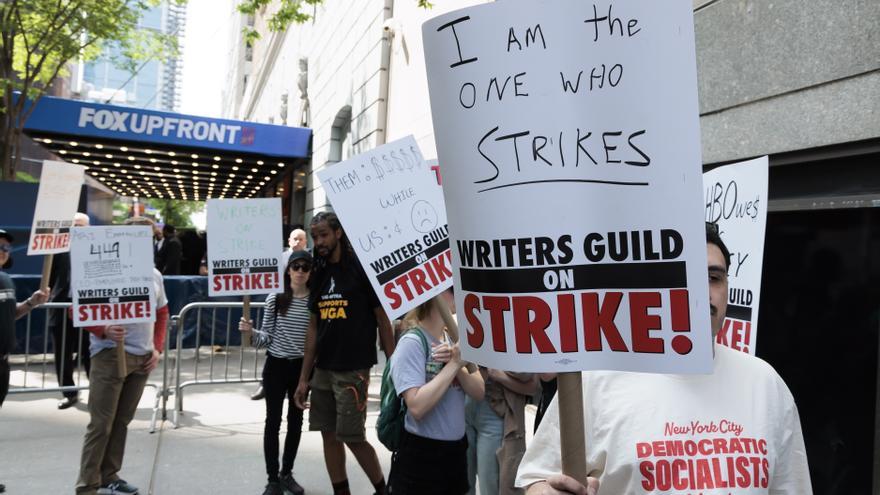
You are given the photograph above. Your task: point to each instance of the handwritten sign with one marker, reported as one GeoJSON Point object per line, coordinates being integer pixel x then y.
{"type": "Point", "coordinates": [244, 246]}
{"type": "Point", "coordinates": [111, 275]}
{"type": "Point", "coordinates": [392, 209]}
{"type": "Point", "coordinates": [736, 199]}
{"type": "Point", "coordinates": [569, 135]}
{"type": "Point", "coordinates": [57, 199]}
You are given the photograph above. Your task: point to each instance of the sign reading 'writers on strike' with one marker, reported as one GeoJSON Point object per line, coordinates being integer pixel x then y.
{"type": "Point", "coordinates": [391, 206]}
{"type": "Point", "coordinates": [111, 275]}
{"type": "Point", "coordinates": [57, 199]}
{"type": "Point", "coordinates": [570, 140]}
{"type": "Point", "coordinates": [736, 199]}
{"type": "Point", "coordinates": [244, 246]}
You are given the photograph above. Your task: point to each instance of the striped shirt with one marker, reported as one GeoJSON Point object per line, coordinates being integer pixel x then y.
{"type": "Point", "coordinates": [285, 336]}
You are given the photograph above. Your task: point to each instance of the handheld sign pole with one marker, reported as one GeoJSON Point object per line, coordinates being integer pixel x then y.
{"type": "Point", "coordinates": [451, 325]}
{"type": "Point", "coordinates": [47, 270]}
{"type": "Point", "coordinates": [246, 314]}
{"type": "Point", "coordinates": [120, 359]}
{"type": "Point", "coordinates": [571, 426]}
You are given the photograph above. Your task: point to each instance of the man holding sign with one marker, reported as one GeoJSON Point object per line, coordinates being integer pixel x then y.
{"type": "Point", "coordinates": [116, 286]}
{"type": "Point", "coordinates": [734, 430]}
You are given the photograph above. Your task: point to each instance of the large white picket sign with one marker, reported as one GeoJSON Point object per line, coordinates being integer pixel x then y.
{"type": "Point", "coordinates": [244, 246]}
{"type": "Point", "coordinates": [569, 137]}
{"type": "Point", "coordinates": [57, 199]}
{"type": "Point", "coordinates": [111, 275]}
{"type": "Point", "coordinates": [391, 207]}
{"type": "Point", "coordinates": [736, 199]}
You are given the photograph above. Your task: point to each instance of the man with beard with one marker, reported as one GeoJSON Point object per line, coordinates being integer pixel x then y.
{"type": "Point", "coordinates": [735, 430]}
{"type": "Point", "coordinates": [341, 346]}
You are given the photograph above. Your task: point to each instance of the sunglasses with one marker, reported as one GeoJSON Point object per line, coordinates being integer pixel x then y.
{"type": "Point", "coordinates": [6, 248]}
{"type": "Point", "coordinates": [301, 267]}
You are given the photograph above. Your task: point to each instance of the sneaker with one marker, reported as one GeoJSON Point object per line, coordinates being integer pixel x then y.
{"type": "Point", "coordinates": [259, 394]}
{"type": "Point", "coordinates": [289, 484]}
{"type": "Point", "coordinates": [118, 487]}
{"type": "Point", "coordinates": [66, 403]}
{"type": "Point", "coordinates": [273, 488]}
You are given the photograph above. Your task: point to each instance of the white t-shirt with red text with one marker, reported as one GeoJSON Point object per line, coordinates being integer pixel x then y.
{"type": "Point", "coordinates": [736, 431]}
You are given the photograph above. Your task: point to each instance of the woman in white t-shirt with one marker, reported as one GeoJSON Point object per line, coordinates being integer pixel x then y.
{"type": "Point", "coordinates": [432, 458]}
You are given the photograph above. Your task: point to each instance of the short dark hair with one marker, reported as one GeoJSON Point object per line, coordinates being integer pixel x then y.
{"type": "Point", "coordinates": [168, 229]}
{"type": "Point", "coordinates": [714, 237]}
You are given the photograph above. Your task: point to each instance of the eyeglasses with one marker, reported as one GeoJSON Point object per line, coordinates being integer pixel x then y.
{"type": "Point", "coordinates": [6, 248]}
{"type": "Point", "coordinates": [298, 267]}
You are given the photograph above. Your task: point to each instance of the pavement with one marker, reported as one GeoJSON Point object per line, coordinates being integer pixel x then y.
{"type": "Point", "coordinates": [216, 448]}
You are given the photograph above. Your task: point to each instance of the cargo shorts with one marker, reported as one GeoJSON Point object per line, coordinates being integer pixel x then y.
{"type": "Point", "coordinates": [339, 403]}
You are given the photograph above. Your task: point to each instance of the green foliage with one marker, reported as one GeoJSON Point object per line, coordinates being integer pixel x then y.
{"type": "Point", "coordinates": [289, 12]}
{"type": "Point", "coordinates": [177, 212]}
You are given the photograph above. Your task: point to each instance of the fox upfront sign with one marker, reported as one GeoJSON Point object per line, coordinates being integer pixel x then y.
{"type": "Point", "coordinates": [139, 123]}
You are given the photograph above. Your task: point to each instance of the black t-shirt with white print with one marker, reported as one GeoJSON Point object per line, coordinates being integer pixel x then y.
{"type": "Point", "coordinates": [344, 305]}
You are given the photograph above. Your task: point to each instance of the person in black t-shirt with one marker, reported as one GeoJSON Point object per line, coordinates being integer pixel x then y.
{"type": "Point", "coordinates": [341, 347]}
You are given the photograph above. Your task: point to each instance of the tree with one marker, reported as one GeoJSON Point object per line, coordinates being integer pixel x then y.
{"type": "Point", "coordinates": [38, 38]}
{"type": "Point", "coordinates": [177, 212]}
{"type": "Point", "coordinates": [289, 11]}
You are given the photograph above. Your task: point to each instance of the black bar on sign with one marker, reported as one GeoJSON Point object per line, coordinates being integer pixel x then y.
{"type": "Point", "coordinates": [106, 300]}
{"type": "Point", "coordinates": [240, 271]}
{"type": "Point", "coordinates": [743, 313]}
{"type": "Point", "coordinates": [660, 275]}
{"type": "Point", "coordinates": [410, 263]}
{"type": "Point", "coordinates": [45, 230]}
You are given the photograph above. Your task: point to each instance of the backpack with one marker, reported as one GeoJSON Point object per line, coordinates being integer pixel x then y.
{"type": "Point", "coordinates": [392, 408]}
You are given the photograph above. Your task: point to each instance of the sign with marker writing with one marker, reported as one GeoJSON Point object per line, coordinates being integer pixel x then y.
{"type": "Point", "coordinates": [244, 246]}
{"type": "Point", "coordinates": [57, 199]}
{"type": "Point", "coordinates": [391, 206]}
{"type": "Point", "coordinates": [569, 134]}
{"type": "Point", "coordinates": [111, 275]}
{"type": "Point", "coordinates": [736, 199]}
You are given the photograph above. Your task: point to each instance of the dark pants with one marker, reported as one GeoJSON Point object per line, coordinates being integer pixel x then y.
{"type": "Point", "coordinates": [280, 377]}
{"type": "Point", "coordinates": [67, 342]}
{"type": "Point", "coordinates": [4, 378]}
{"type": "Point", "coordinates": [423, 466]}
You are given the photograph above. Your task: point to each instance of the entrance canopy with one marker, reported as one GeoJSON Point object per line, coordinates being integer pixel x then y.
{"type": "Point", "coordinates": [148, 153]}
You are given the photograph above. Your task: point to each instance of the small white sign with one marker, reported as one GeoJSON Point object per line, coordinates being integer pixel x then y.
{"type": "Point", "coordinates": [570, 142]}
{"type": "Point", "coordinates": [111, 275]}
{"type": "Point", "coordinates": [391, 206]}
{"type": "Point", "coordinates": [57, 199]}
{"type": "Point", "coordinates": [736, 199]}
{"type": "Point", "coordinates": [244, 247]}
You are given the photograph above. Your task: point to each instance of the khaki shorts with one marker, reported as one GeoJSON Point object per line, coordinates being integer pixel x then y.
{"type": "Point", "coordinates": [339, 403]}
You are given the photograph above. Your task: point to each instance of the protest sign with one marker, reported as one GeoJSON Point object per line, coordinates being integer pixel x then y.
{"type": "Point", "coordinates": [569, 138]}
{"type": "Point", "coordinates": [57, 199]}
{"type": "Point", "coordinates": [391, 207]}
{"type": "Point", "coordinates": [111, 275]}
{"type": "Point", "coordinates": [736, 199]}
{"type": "Point", "coordinates": [244, 246]}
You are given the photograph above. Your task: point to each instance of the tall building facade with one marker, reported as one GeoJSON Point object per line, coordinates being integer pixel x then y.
{"type": "Point", "coordinates": [156, 84]}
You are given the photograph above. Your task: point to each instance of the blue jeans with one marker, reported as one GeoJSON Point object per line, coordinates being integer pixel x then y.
{"type": "Point", "coordinates": [485, 430]}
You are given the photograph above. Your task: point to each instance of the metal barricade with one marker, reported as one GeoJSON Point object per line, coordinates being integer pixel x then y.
{"type": "Point", "coordinates": [186, 366]}
{"type": "Point", "coordinates": [37, 361]}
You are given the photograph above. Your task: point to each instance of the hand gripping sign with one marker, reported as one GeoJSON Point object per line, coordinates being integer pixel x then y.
{"type": "Point", "coordinates": [569, 135]}
{"type": "Point", "coordinates": [392, 209]}
{"type": "Point", "coordinates": [736, 199]}
{"type": "Point", "coordinates": [57, 199]}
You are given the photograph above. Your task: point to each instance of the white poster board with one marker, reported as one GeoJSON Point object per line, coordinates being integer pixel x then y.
{"type": "Point", "coordinates": [111, 275]}
{"type": "Point", "coordinates": [736, 199]}
{"type": "Point", "coordinates": [569, 137]}
{"type": "Point", "coordinates": [391, 207]}
{"type": "Point", "coordinates": [57, 199]}
{"type": "Point", "coordinates": [244, 247]}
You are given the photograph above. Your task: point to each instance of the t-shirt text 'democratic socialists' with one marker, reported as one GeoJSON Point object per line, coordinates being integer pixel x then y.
{"type": "Point", "coordinates": [629, 274]}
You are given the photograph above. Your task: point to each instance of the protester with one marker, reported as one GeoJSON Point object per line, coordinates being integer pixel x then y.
{"type": "Point", "coordinates": [432, 458]}
{"type": "Point", "coordinates": [67, 341]}
{"type": "Point", "coordinates": [496, 431]}
{"type": "Point", "coordinates": [341, 347]}
{"type": "Point", "coordinates": [285, 322]}
{"type": "Point", "coordinates": [10, 310]}
{"type": "Point", "coordinates": [548, 391]}
{"type": "Point", "coordinates": [735, 430]}
{"type": "Point", "coordinates": [113, 399]}
{"type": "Point", "coordinates": [169, 251]}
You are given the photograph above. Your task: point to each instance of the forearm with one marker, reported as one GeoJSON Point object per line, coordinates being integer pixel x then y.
{"type": "Point", "coordinates": [310, 352]}
{"type": "Point", "coordinates": [22, 309]}
{"type": "Point", "coordinates": [386, 333]}
{"type": "Point", "coordinates": [472, 383]}
{"type": "Point", "coordinates": [421, 400]}
{"type": "Point", "coordinates": [523, 384]}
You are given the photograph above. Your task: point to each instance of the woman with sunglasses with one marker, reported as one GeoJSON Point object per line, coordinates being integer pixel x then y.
{"type": "Point", "coordinates": [283, 333]}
